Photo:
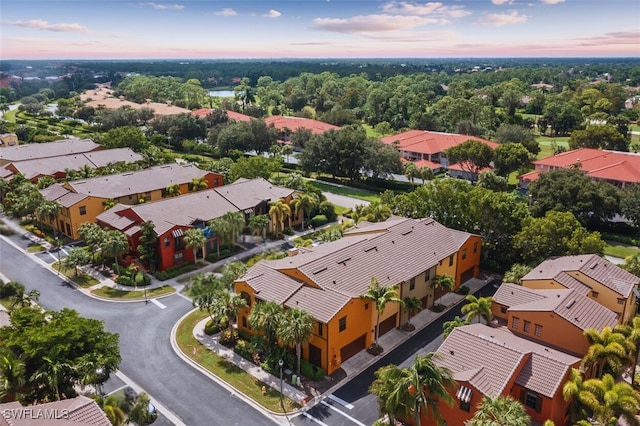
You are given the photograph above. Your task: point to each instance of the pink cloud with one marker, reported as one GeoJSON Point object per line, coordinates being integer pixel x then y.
{"type": "Point", "coordinates": [500, 19]}
{"type": "Point", "coordinates": [45, 26]}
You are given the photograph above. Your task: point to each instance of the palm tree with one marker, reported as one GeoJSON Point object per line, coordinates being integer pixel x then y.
{"type": "Point", "coordinates": [173, 190]}
{"type": "Point", "coordinates": [12, 370]}
{"type": "Point", "coordinates": [632, 333]}
{"type": "Point", "coordinates": [304, 203]}
{"type": "Point", "coordinates": [194, 239]}
{"type": "Point", "coordinates": [53, 371]}
{"type": "Point", "coordinates": [499, 411]}
{"type": "Point", "coordinates": [410, 171]}
{"type": "Point", "coordinates": [581, 403]}
{"type": "Point", "coordinates": [25, 300]}
{"type": "Point", "coordinates": [92, 235]}
{"type": "Point", "coordinates": [445, 282]}
{"type": "Point", "coordinates": [380, 296]}
{"type": "Point", "coordinates": [107, 204]}
{"type": "Point", "coordinates": [515, 274]}
{"type": "Point", "coordinates": [608, 347]}
{"type": "Point", "coordinates": [421, 388]}
{"type": "Point", "coordinates": [296, 329]}
{"type": "Point", "coordinates": [235, 222]}
{"type": "Point", "coordinates": [412, 305]}
{"type": "Point", "coordinates": [231, 272]}
{"type": "Point", "coordinates": [449, 326]}
{"type": "Point", "coordinates": [259, 224]}
{"type": "Point", "coordinates": [50, 209]}
{"type": "Point", "coordinates": [220, 228]}
{"type": "Point", "coordinates": [425, 173]}
{"type": "Point", "coordinates": [376, 212]}
{"type": "Point", "coordinates": [478, 307]}
{"type": "Point", "coordinates": [198, 184]}
{"type": "Point", "coordinates": [115, 243]}
{"type": "Point", "coordinates": [227, 305]}
{"type": "Point", "coordinates": [203, 290]}
{"type": "Point", "coordinates": [279, 211]}
{"type": "Point", "coordinates": [384, 387]}
{"type": "Point", "coordinates": [265, 317]}
{"type": "Point", "coordinates": [617, 400]}
{"type": "Point", "coordinates": [114, 413]}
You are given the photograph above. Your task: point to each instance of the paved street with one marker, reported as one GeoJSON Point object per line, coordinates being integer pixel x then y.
{"type": "Point", "coordinates": [351, 404]}
{"type": "Point", "coordinates": [147, 357]}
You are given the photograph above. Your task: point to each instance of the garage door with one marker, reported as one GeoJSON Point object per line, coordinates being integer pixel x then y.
{"type": "Point", "coordinates": [466, 275]}
{"type": "Point", "coordinates": [387, 325]}
{"type": "Point", "coordinates": [353, 348]}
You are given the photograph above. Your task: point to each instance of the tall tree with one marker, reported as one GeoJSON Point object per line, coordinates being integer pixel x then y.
{"type": "Point", "coordinates": [12, 380]}
{"type": "Point", "coordinates": [500, 411]}
{"type": "Point", "coordinates": [608, 348]}
{"type": "Point", "coordinates": [148, 245]}
{"type": "Point", "coordinates": [296, 330]}
{"type": "Point", "coordinates": [478, 307]}
{"type": "Point", "coordinates": [443, 282]}
{"type": "Point", "coordinates": [115, 244]}
{"type": "Point", "coordinates": [227, 305]}
{"type": "Point", "coordinates": [384, 387]}
{"type": "Point", "coordinates": [173, 190]}
{"type": "Point", "coordinates": [279, 211]}
{"type": "Point", "coordinates": [259, 225]}
{"type": "Point", "coordinates": [195, 240]}
{"type": "Point", "coordinates": [92, 235]}
{"type": "Point", "coordinates": [304, 203]}
{"type": "Point", "coordinates": [412, 305]}
{"type": "Point", "coordinates": [50, 209]}
{"type": "Point", "coordinates": [266, 317]}
{"type": "Point", "coordinates": [198, 184]}
{"type": "Point", "coordinates": [449, 326]}
{"type": "Point", "coordinates": [471, 155]}
{"type": "Point", "coordinates": [380, 296]}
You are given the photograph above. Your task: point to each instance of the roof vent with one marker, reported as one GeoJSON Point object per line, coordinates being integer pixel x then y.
{"type": "Point", "coordinates": [319, 270]}
{"type": "Point", "coordinates": [451, 352]}
{"type": "Point", "coordinates": [570, 304]}
{"type": "Point", "coordinates": [407, 232]}
{"type": "Point", "coordinates": [370, 249]}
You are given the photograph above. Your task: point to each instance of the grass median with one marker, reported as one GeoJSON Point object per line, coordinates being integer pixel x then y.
{"type": "Point", "coordinates": [225, 370]}
{"type": "Point", "coordinates": [78, 277]}
{"type": "Point", "coordinates": [112, 293]}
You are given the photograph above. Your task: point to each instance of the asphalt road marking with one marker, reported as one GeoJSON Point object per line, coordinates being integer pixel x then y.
{"type": "Point", "coordinates": [161, 408]}
{"type": "Point", "coordinates": [158, 304]}
{"type": "Point", "coordinates": [341, 401]}
{"type": "Point", "coordinates": [310, 417]}
{"type": "Point", "coordinates": [353, 419]}
{"type": "Point", "coordinates": [55, 259]}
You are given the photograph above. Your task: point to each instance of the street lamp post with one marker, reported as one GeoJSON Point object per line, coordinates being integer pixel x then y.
{"type": "Point", "coordinates": [281, 363]}
{"type": "Point", "coordinates": [99, 373]}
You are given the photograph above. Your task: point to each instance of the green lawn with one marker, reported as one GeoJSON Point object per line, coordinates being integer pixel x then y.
{"type": "Point", "coordinates": [227, 371]}
{"type": "Point", "coordinates": [620, 250]}
{"type": "Point", "coordinates": [82, 279]}
{"type": "Point", "coordinates": [35, 248]}
{"type": "Point", "coordinates": [545, 142]}
{"type": "Point", "coordinates": [360, 194]}
{"type": "Point", "coordinates": [112, 293]}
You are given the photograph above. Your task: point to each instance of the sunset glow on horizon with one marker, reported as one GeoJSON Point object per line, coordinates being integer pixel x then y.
{"type": "Point", "coordinates": [199, 29]}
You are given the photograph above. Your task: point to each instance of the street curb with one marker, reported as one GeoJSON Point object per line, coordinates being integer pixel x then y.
{"type": "Point", "coordinates": [276, 417]}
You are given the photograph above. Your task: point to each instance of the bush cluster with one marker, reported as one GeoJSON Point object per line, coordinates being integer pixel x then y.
{"type": "Point", "coordinates": [175, 271]}
{"type": "Point", "coordinates": [311, 371]}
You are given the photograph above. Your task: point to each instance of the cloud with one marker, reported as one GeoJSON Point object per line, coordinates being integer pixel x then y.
{"type": "Point", "coordinates": [552, 1]}
{"type": "Point", "coordinates": [501, 2]}
{"type": "Point", "coordinates": [372, 23]}
{"type": "Point", "coordinates": [45, 26]}
{"type": "Point", "coordinates": [617, 37]}
{"type": "Point", "coordinates": [272, 14]}
{"type": "Point", "coordinates": [157, 6]}
{"type": "Point", "coordinates": [227, 11]}
{"type": "Point", "coordinates": [500, 19]}
{"type": "Point", "coordinates": [423, 9]}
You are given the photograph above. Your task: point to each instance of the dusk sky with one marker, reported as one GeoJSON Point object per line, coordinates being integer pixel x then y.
{"type": "Point", "coordinates": [203, 29]}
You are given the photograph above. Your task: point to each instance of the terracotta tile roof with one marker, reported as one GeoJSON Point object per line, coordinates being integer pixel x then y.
{"type": "Point", "coordinates": [426, 142]}
{"type": "Point", "coordinates": [62, 195]}
{"type": "Point", "coordinates": [203, 112]}
{"type": "Point", "coordinates": [601, 164]}
{"type": "Point", "coordinates": [591, 265]}
{"type": "Point", "coordinates": [169, 213]}
{"type": "Point", "coordinates": [471, 351]}
{"type": "Point", "coordinates": [575, 308]}
{"type": "Point", "coordinates": [80, 411]}
{"type": "Point", "coordinates": [146, 180]}
{"type": "Point", "coordinates": [246, 194]}
{"type": "Point", "coordinates": [115, 220]}
{"type": "Point", "coordinates": [306, 299]}
{"type": "Point", "coordinates": [46, 150]}
{"type": "Point", "coordinates": [272, 285]}
{"type": "Point", "coordinates": [59, 164]}
{"type": "Point", "coordinates": [281, 122]}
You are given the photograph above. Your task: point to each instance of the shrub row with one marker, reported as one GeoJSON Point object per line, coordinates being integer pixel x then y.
{"type": "Point", "coordinates": [176, 270]}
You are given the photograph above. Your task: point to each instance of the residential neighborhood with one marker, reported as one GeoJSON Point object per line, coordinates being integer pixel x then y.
{"type": "Point", "coordinates": [211, 280]}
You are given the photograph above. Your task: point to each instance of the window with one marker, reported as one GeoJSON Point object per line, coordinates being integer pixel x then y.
{"type": "Point", "coordinates": [244, 322]}
{"type": "Point", "coordinates": [466, 406]}
{"type": "Point", "coordinates": [178, 257]}
{"type": "Point", "coordinates": [440, 263]}
{"type": "Point", "coordinates": [503, 309]}
{"type": "Point", "coordinates": [533, 401]}
{"type": "Point", "coordinates": [412, 284]}
{"type": "Point", "coordinates": [246, 298]}
{"type": "Point", "coordinates": [320, 329]}
{"type": "Point", "coordinates": [427, 275]}
{"type": "Point", "coordinates": [464, 254]}
{"type": "Point", "coordinates": [526, 326]}
{"type": "Point", "coordinates": [215, 182]}
{"type": "Point", "coordinates": [177, 242]}
{"type": "Point", "coordinates": [342, 324]}
{"type": "Point", "coordinates": [475, 247]}
{"type": "Point", "coordinates": [538, 331]}
{"type": "Point", "coordinates": [451, 260]}
{"type": "Point", "coordinates": [83, 210]}
{"type": "Point", "coordinates": [620, 301]}
{"type": "Point", "coordinates": [595, 294]}
{"type": "Point", "coordinates": [167, 242]}
{"type": "Point", "coordinates": [514, 322]}
{"type": "Point", "coordinates": [366, 306]}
